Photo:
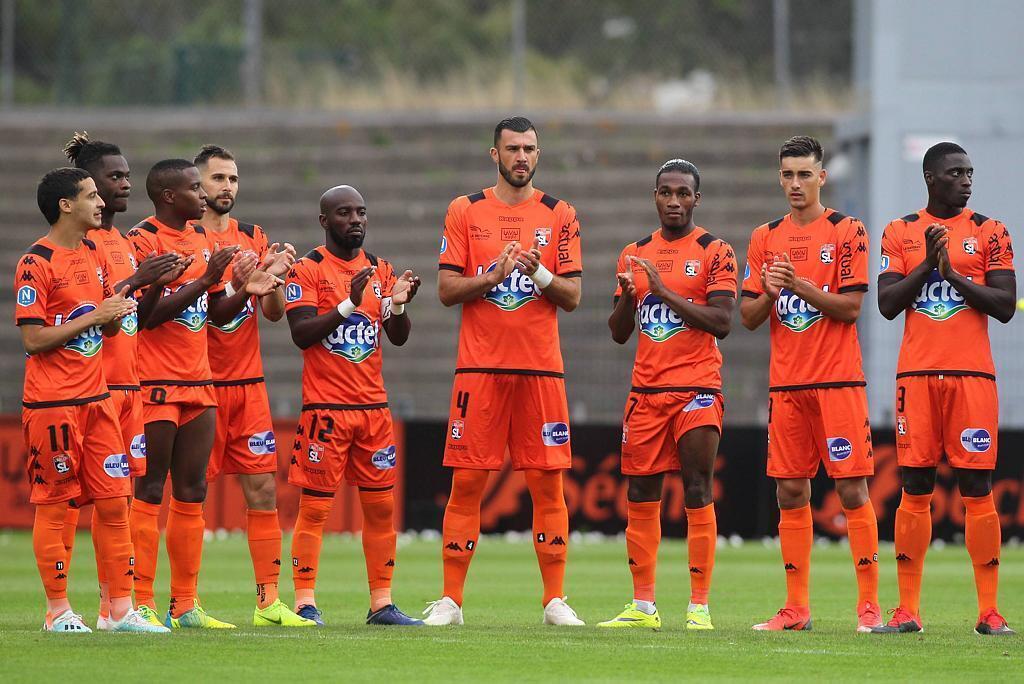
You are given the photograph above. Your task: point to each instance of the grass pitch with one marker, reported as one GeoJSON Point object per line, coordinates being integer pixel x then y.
{"type": "Point", "coordinates": [503, 639]}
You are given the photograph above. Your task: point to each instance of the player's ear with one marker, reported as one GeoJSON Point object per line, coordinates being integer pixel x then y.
{"type": "Point", "coordinates": [494, 154]}
{"type": "Point", "coordinates": [696, 198]}
{"type": "Point", "coordinates": [167, 195]}
{"type": "Point", "coordinates": [323, 221]}
{"type": "Point", "coordinates": [822, 175]}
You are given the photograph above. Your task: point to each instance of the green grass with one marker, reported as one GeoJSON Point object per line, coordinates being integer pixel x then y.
{"type": "Point", "coordinates": [503, 640]}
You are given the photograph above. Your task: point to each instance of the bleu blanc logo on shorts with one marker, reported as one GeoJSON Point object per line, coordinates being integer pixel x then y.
{"type": "Point", "coordinates": [88, 342]}
{"type": "Point", "coordinates": [554, 434]}
{"type": "Point", "coordinates": [976, 440]}
{"type": "Point", "coordinates": [517, 290]}
{"type": "Point", "coordinates": [241, 317]}
{"type": "Point", "coordinates": [938, 300]}
{"type": "Point", "coordinates": [884, 265]}
{"type": "Point", "coordinates": [354, 340]}
{"type": "Point", "coordinates": [138, 446]}
{"type": "Point", "coordinates": [26, 295]}
{"type": "Point", "coordinates": [194, 316]}
{"type": "Point", "coordinates": [384, 459]}
{"type": "Point", "coordinates": [701, 401]}
{"type": "Point", "coordinates": [116, 465]}
{"type": "Point", "coordinates": [657, 319]}
{"type": "Point", "coordinates": [794, 313]}
{"type": "Point", "coordinates": [263, 443]}
{"type": "Point", "coordinates": [839, 448]}
{"type": "Point", "coordinates": [293, 292]}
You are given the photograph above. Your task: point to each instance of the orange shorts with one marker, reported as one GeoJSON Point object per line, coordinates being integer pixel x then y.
{"type": "Point", "coordinates": [244, 442]}
{"type": "Point", "coordinates": [819, 425]}
{"type": "Point", "coordinates": [357, 445]}
{"type": "Point", "coordinates": [947, 414]}
{"type": "Point", "coordinates": [75, 452]}
{"type": "Point", "coordinates": [128, 406]}
{"type": "Point", "coordinates": [178, 404]}
{"type": "Point", "coordinates": [526, 413]}
{"type": "Point", "coordinates": [654, 423]}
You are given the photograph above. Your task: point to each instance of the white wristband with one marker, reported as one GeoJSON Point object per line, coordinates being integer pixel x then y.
{"type": "Point", "coordinates": [229, 289]}
{"type": "Point", "coordinates": [346, 308]}
{"type": "Point", "coordinates": [542, 277]}
{"type": "Point", "coordinates": [398, 309]}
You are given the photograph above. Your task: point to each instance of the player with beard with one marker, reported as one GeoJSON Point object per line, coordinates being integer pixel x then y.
{"type": "Point", "coordinates": [339, 296]}
{"type": "Point", "coordinates": [679, 286]}
{"type": "Point", "coordinates": [244, 444]}
{"type": "Point", "coordinates": [174, 371]}
{"type": "Point", "coordinates": [109, 170]}
{"type": "Point", "coordinates": [509, 389]}
{"type": "Point", "coordinates": [948, 269]}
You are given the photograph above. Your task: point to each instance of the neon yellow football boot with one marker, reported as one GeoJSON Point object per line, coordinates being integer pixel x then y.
{"type": "Point", "coordinates": [698, 617]}
{"type": "Point", "coordinates": [197, 618]}
{"type": "Point", "coordinates": [150, 616]}
{"type": "Point", "coordinates": [279, 615]}
{"type": "Point", "coordinates": [633, 617]}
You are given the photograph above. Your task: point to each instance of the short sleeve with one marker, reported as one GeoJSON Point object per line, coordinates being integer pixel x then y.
{"type": "Point", "coordinates": [620, 267]}
{"type": "Point", "coordinates": [261, 243]}
{"type": "Point", "coordinates": [853, 258]}
{"type": "Point", "coordinates": [454, 249]}
{"type": "Point", "coordinates": [31, 286]}
{"type": "Point", "coordinates": [720, 266]}
{"type": "Point", "coordinates": [755, 260]}
{"type": "Point", "coordinates": [210, 246]}
{"type": "Point", "coordinates": [300, 290]}
{"type": "Point", "coordinates": [143, 244]}
{"type": "Point", "coordinates": [998, 248]}
{"type": "Point", "coordinates": [387, 278]}
{"type": "Point", "coordinates": [892, 251]}
{"type": "Point", "coordinates": [568, 252]}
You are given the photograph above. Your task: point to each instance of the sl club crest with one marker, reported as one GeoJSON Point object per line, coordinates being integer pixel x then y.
{"type": "Point", "coordinates": [376, 289]}
{"type": "Point", "coordinates": [543, 236]}
{"type": "Point", "coordinates": [828, 253]}
{"type": "Point", "coordinates": [970, 245]}
{"type": "Point", "coordinates": [458, 429]}
{"type": "Point", "coordinates": [901, 425]}
{"type": "Point", "coordinates": [316, 452]}
{"type": "Point", "coordinates": [692, 267]}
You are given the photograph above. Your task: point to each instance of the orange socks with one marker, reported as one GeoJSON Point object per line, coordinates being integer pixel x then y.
{"type": "Point", "coordinates": [110, 531]}
{"type": "Point", "coordinates": [264, 532]}
{"type": "Point", "coordinates": [701, 537]}
{"type": "Point", "coordinates": [862, 529]}
{"type": "Point", "coordinates": [643, 535]}
{"type": "Point", "coordinates": [913, 536]}
{"type": "Point", "coordinates": [379, 539]}
{"type": "Point", "coordinates": [796, 535]}
{"type": "Point", "coordinates": [101, 571]}
{"type": "Point", "coordinates": [185, 528]}
{"type": "Point", "coordinates": [983, 538]}
{"type": "Point", "coordinates": [70, 528]}
{"type": "Point", "coordinates": [51, 554]}
{"type": "Point", "coordinates": [461, 528]}
{"type": "Point", "coordinates": [307, 538]}
{"type": "Point", "coordinates": [146, 540]}
{"type": "Point", "coordinates": [550, 528]}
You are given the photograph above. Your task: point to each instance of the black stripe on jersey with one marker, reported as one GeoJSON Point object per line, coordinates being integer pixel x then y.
{"type": "Point", "coordinates": [722, 293]}
{"type": "Point", "coordinates": [314, 255]}
{"type": "Point", "coordinates": [835, 217]}
{"type": "Point", "coordinates": [124, 388]}
{"type": "Point", "coordinates": [89, 243]}
{"type": "Point", "coordinates": [954, 373]}
{"type": "Point", "coordinates": [511, 371]}
{"type": "Point", "coordinates": [643, 241]}
{"type": "Point", "coordinates": [476, 197]}
{"type": "Point", "coordinates": [373, 259]}
{"type": "Point", "coordinates": [910, 218]}
{"type": "Point", "coordinates": [146, 226]}
{"type": "Point", "coordinates": [176, 383]}
{"type": "Point", "coordinates": [549, 201]}
{"type": "Point", "coordinates": [705, 240]}
{"type": "Point", "coordinates": [344, 407]}
{"type": "Point", "coordinates": [572, 274]}
{"type": "Point", "coordinates": [451, 267]}
{"type": "Point", "coordinates": [660, 390]}
{"type": "Point", "coordinates": [66, 402]}
{"type": "Point", "coordinates": [772, 225]}
{"type": "Point", "coordinates": [41, 251]}
{"type": "Point", "coordinates": [237, 383]}
{"type": "Point", "coordinates": [818, 385]}
{"type": "Point", "coordinates": [198, 228]}
{"type": "Point", "coordinates": [247, 228]}
{"type": "Point", "coordinates": [852, 288]}
{"type": "Point", "coordinates": [979, 219]}
{"type": "Point", "coordinates": [750, 293]}
{"type": "Point", "coordinates": [1001, 271]}
{"type": "Point", "coordinates": [30, 321]}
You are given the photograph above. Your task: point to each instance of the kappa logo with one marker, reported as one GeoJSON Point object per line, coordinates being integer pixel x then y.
{"type": "Point", "coordinates": [315, 452]}
{"type": "Point", "coordinates": [26, 295]}
{"type": "Point", "coordinates": [556, 541]}
{"type": "Point", "coordinates": [790, 567]}
{"type": "Point", "coordinates": [692, 267]}
{"type": "Point", "coordinates": [902, 558]}
{"type": "Point", "coordinates": [827, 253]}
{"type": "Point", "coordinates": [694, 570]}
{"type": "Point", "coordinates": [263, 443]}
{"type": "Point", "coordinates": [701, 401]}
{"type": "Point", "coordinates": [453, 546]}
{"type": "Point", "coordinates": [137, 448]}
{"type": "Point", "coordinates": [976, 440]}
{"type": "Point", "coordinates": [62, 464]}
{"type": "Point", "coordinates": [554, 434]}
{"type": "Point", "coordinates": [839, 448]}
{"type": "Point", "coordinates": [542, 236]}
{"type": "Point", "coordinates": [384, 459]}
{"type": "Point", "coordinates": [458, 429]}
{"type": "Point", "coordinates": [116, 465]}
{"type": "Point", "coordinates": [293, 292]}
{"type": "Point", "coordinates": [970, 245]}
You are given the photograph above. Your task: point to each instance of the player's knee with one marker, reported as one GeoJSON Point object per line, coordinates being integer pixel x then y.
{"type": "Point", "coordinates": [149, 490]}
{"type": "Point", "coordinates": [192, 492]}
{"type": "Point", "coordinates": [697, 492]}
{"type": "Point", "coordinates": [644, 489]}
{"type": "Point", "coordinates": [792, 493]}
{"type": "Point", "coordinates": [260, 492]}
{"type": "Point", "coordinates": [974, 483]}
{"type": "Point", "coordinates": [918, 481]}
{"type": "Point", "coordinates": [853, 492]}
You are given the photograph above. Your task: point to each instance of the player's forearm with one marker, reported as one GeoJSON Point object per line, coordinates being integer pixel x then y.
{"type": "Point", "coordinates": [166, 308]}
{"type": "Point", "coordinates": [997, 302]}
{"type": "Point", "coordinates": [709, 318]}
{"type": "Point", "coordinates": [896, 293]}
{"type": "Point", "coordinates": [840, 307]}
{"type": "Point", "coordinates": [43, 338]}
{"type": "Point", "coordinates": [398, 327]}
{"type": "Point", "coordinates": [148, 301]}
{"type": "Point", "coordinates": [621, 322]}
{"type": "Point", "coordinates": [453, 288]}
{"type": "Point", "coordinates": [565, 293]}
{"type": "Point", "coordinates": [224, 308]}
{"type": "Point", "coordinates": [272, 305]}
{"type": "Point", "coordinates": [754, 311]}
{"type": "Point", "coordinates": [310, 330]}
{"type": "Point", "coordinates": [111, 328]}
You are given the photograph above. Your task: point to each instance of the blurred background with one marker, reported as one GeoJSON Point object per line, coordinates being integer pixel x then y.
{"type": "Point", "coordinates": [399, 98]}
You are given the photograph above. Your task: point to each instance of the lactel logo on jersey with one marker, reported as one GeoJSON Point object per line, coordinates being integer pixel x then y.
{"type": "Point", "coordinates": [354, 340]}
{"type": "Point", "coordinates": [293, 292]}
{"type": "Point", "coordinates": [193, 317]}
{"type": "Point", "coordinates": [554, 434]}
{"type": "Point", "coordinates": [701, 401]}
{"type": "Point", "coordinates": [794, 313]}
{"type": "Point", "coordinates": [116, 465]}
{"type": "Point", "coordinates": [130, 324]}
{"type": "Point", "coordinates": [138, 446]}
{"type": "Point", "coordinates": [976, 440]}
{"type": "Point", "coordinates": [938, 300]}
{"type": "Point", "coordinates": [240, 318]}
{"type": "Point", "coordinates": [514, 292]}
{"type": "Point", "coordinates": [87, 343]}
{"type": "Point", "coordinates": [839, 448]}
{"type": "Point", "coordinates": [384, 459]}
{"type": "Point", "coordinates": [263, 443]}
{"type": "Point", "coordinates": [657, 319]}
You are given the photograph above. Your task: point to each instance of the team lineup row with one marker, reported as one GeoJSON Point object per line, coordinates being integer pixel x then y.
{"type": "Point", "coordinates": [144, 361]}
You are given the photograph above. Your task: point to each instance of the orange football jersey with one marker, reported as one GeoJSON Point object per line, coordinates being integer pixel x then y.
{"type": "Point", "coordinates": [809, 349]}
{"type": "Point", "coordinates": [513, 326]}
{"type": "Point", "coordinates": [235, 347]}
{"type": "Point", "coordinates": [54, 285]}
{"type": "Point", "coordinates": [671, 355]}
{"type": "Point", "coordinates": [120, 352]}
{"type": "Point", "coordinates": [939, 325]}
{"type": "Point", "coordinates": [344, 369]}
{"type": "Point", "coordinates": [174, 353]}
